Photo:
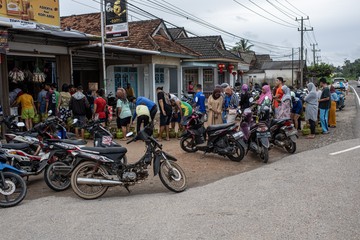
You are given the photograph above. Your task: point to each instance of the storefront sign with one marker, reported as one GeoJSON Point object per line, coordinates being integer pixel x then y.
{"type": "Point", "coordinates": [26, 13]}
{"type": "Point", "coordinates": [116, 18]}
{"type": "Point", "coordinates": [4, 45]}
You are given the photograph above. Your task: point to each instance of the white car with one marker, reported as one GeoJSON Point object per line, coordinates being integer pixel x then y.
{"type": "Point", "coordinates": [336, 82]}
{"type": "Point", "coordinates": [358, 82]}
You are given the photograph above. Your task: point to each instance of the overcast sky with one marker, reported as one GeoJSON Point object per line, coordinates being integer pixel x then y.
{"type": "Point", "coordinates": [335, 23]}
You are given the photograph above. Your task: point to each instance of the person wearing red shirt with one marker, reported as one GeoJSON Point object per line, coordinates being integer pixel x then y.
{"type": "Point", "coordinates": [100, 105]}
{"type": "Point", "coordinates": [279, 82]}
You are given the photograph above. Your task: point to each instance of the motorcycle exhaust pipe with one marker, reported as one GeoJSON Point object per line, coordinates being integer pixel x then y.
{"type": "Point", "coordinates": [279, 143]}
{"type": "Point", "coordinates": [98, 182]}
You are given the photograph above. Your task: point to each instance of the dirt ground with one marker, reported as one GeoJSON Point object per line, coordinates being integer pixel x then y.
{"type": "Point", "coordinates": [202, 169]}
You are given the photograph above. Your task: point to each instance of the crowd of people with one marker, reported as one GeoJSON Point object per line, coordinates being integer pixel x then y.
{"type": "Point", "coordinates": [221, 107]}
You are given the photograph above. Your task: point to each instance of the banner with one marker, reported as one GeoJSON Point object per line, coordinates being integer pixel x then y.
{"type": "Point", "coordinates": [27, 13]}
{"type": "Point", "coordinates": [116, 20]}
{"type": "Point", "coordinates": [4, 45]}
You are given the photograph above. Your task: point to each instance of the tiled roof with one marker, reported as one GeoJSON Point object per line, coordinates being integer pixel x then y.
{"type": "Point", "coordinates": [210, 47]}
{"type": "Point", "coordinates": [141, 33]}
{"type": "Point", "coordinates": [175, 32]}
{"type": "Point", "coordinates": [275, 65]}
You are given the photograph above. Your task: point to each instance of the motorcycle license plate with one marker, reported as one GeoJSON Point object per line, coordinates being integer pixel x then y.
{"type": "Point", "coordinates": [263, 134]}
{"type": "Point", "coordinates": [238, 135]}
{"type": "Point", "coordinates": [292, 132]}
{"type": "Point", "coordinates": [45, 156]}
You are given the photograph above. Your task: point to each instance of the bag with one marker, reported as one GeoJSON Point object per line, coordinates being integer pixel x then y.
{"type": "Point", "coordinates": [232, 111]}
{"type": "Point", "coordinates": [167, 98]}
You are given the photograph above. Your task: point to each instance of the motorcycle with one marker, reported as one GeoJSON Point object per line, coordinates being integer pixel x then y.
{"type": "Point", "coordinates": [187, 98]}
{"type": "Point", "coordinates": [283, 134]}
{"type": "Point", "coordinates": [11, 124]}
{"type": "Point", "coordinates": [223, 139]}
{"type": "Point", "coordinates": [12, 186]}
{"type": "Point", "coordinates": [256, 134]}
{"type": "Point", "coordinates": [102, 137]}
{"type": "Point", "coordinates": [102, 168]}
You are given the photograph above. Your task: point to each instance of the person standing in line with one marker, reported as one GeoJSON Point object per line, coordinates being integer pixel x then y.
{"type": "Point", "coordinates": [57, 97]}
{"type": "Point", "coordinates": [284, 109]}
{"type": "Point", "coordinates": [265, 100]}
{"type": "Point", "coordinates": [64, 101]}
{"type": "Point", "coordinates": [100, 106]}
{"type": "Point", "coordinates": [165, 112]}
{"type": "Point", "coordinates": [199, 99]}
{"type": "Point", "coordinates": [244, 97]}
{"type": "Point", "coordinates": [176, 114]}
{"type": "Point", "coordinates": [191, 88]}
{"type": "Point", "coordinates": [324, 105]}
{"type": "Point", "coordinates": [130, 93]}
{"type": "Point", "coordinates": [123, 108]}
{"type": "Point", "coordinates": [346, 87]}
{"type": "Point", "coordinates": [311, 109]}
{"type": "Point", "coordinates": [231, 104]}
{"type": "Point", "coordinates": [50, 99]}
{"type": "Point", "coordinates": [41, 99]}
{"type": "Point", "coordinates": [295, 110]}
{"type": "Point", "coordinates": [215, 104]}
{"type": "Point", "coordinates": [332, 112]}
{"type": "Point", "coordinates": [28, 109]}
{"type": "Point", "coordinates": [279, 82]}
{"type": "Point", "coordinates": [78, 105]}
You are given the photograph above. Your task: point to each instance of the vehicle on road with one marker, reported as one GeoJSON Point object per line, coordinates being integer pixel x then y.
{"type": "Point", "coordinates": [102, 168]}
{"type": "Point", "coordinates": [338, 83]}
{"type": "Point", "coordinates": [358, 82]}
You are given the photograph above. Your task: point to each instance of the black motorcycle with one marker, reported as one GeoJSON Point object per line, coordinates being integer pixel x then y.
{"type": "Point", "coordinates": [222, 139]}
{"type": "Point", "coordinates": [102, 136]}
{"type": "Point", "coordinates": [283, 134]}
{"type": "Point", "coordinates": [100, 168]}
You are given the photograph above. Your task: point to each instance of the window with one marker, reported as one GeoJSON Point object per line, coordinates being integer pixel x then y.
{"type": "Point", "coordinates": [208, 76]}
{"type": "Point", "coordinates": [159, 76]}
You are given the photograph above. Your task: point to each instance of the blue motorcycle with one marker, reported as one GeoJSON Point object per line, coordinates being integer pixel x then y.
{"type": "Point", "coordinates": [12, 186]}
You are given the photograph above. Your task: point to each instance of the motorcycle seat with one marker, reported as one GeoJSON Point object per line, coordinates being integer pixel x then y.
{"type": "Point", "coordinates": [108, 150]}
{"type": "Point", "coordinates": [69, 141]}
{"type": "Point", "coordinates": [219, 126]}
{"type": "Point", "coordinates": [16, 146]}
{"type": "Point", "coordinates": [276, 121]}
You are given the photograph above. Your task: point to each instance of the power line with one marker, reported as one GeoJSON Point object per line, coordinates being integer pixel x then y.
{"type": "Point", "coordinates": [287, 8]}
{"type": "Point", "coordinates": [296, 8]}
{"type": "Point", "coordinates": [292, 17]}
{"type": "Point", "coordinates": [262, 15]}
{"type": "Point", "coordinates": [272, 14]}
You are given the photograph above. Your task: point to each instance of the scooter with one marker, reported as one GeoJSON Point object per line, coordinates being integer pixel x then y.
{"type": "Point", "coordinates": [283, 134]}
{"type": "Point", "coordinates": [222, 139]}
{"type": "Point", "coordinates": [12, 186]}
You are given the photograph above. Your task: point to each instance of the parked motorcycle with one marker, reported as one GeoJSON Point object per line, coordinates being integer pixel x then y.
{"type": "Point", "coordinates": [223, 139]}
{"type": "Point", "coordinates": [283, 134]}
{"type": "Point", "coordinates": [255, 134]}
{"type": "Point", "coordinates": [11, 123]}
{"type": "Point", "coordinates": [102, 137]}
{"type": "Point", "coordinates": [12, 186]}
{"type": "Point", "coordinates": [187, 98]}
{"type": "Point", "coordinates": [102, 168]}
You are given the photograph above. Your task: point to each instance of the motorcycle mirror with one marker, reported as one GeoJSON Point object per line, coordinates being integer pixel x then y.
{"type": "Point", "coordinates": [129, 134]}
{"type": "Point", "coordinates": [75, 121]}
{"type": "Point", "coordinates": [20, 124]}
{"type": "Point", "coordinates": [251, 100]}
{"type": "Point", "coordinates": [49, 112]}
{"type": "Point", "coordinates": [266, 98]}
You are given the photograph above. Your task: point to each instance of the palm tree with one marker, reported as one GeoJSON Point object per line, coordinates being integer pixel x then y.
{"type": "Point", "coordinates": [243, 46]}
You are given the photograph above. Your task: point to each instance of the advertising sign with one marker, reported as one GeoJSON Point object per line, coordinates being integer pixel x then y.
{"type": "Point", "coordinates": [4, 45]}
{"type": "Point", "coordinates": [27, 13]}
{"type": "Point", "coordinates": [116, 19]}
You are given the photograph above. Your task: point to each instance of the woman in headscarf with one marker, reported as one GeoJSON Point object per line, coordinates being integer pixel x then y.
{"type": "Point", "coordinates": [244, 97]}
{"type": "Point", "coordinates": [285, 108]}
{"type": "Point", "coordinates": [265, 98]}
{"type": "Point", "coordinates": [215, 103]}
{"type": "Point", "coordinates": [332, 113]}
{"type": "Point", "coordinates": [311, 109]}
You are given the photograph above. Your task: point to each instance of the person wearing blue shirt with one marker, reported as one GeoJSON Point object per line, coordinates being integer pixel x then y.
{"type": "Point", "coordinates": [199, 99]}
{"type": "Point", "coordinates": [296, 109]}
{"type": "Point", "coordinates": [147, 102]}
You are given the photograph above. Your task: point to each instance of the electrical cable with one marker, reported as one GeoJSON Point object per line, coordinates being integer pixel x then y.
{"type": "Point", "coordinates": [292, 17]}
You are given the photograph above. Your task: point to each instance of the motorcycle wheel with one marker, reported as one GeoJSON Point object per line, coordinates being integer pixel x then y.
{"type": "Point", "coordinates": [88, 170]}
{"type": "Point", "coordinates": [264, 155]}
{"type": "Point", "coordinates": [172, 176]}
{"type": "Point", "coordinates": [55, 181]}
{"type": "Point", "coordinates": [239, 151]}
{"type": "Point", "coordinates": [16, 191]}
{"type": "Point", "coordinates": [291, 148]}
{"type": "Point", "coordinates": [188, 144]}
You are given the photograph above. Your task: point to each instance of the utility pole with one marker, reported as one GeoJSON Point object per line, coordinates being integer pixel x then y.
{"type": "Point", "coordinates": [292, 66]}
{"type": "Point", "coordinates": [314, 52]}
{"type": "Point", "coordinates": [302, 30]}
{"type": "Point", "coordinates": [103, 54]}
{"type": "Point", "coordinates": [317, 59]}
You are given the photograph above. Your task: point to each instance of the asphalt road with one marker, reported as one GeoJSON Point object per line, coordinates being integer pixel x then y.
{"type": "Point", "coordinates": [309, 195]}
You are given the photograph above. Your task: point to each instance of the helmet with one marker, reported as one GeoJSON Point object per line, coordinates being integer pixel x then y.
{"type": "Point", "coordinates": [224, 85]}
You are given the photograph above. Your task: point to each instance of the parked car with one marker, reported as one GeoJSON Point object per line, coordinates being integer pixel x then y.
{"type": "Point", "coordinates": [336, 82]}
{"type": "Point", "coordinates": [358, 82]}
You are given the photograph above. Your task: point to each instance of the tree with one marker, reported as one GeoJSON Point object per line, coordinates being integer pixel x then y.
{"type": "Point", "coordinates": [351, 70]}
{"type": "Point", "coordinates": [321, 70]}
{"type": "Point", "coordinates": [243, 46]}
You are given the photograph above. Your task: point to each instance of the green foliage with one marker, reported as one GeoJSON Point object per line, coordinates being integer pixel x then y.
{"type": "Point", "coordinates": [321, 70]}
{"type": "Point", "coordinates": [243, 46]}
{"type": "Point", "coordinates": [351, 70]}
